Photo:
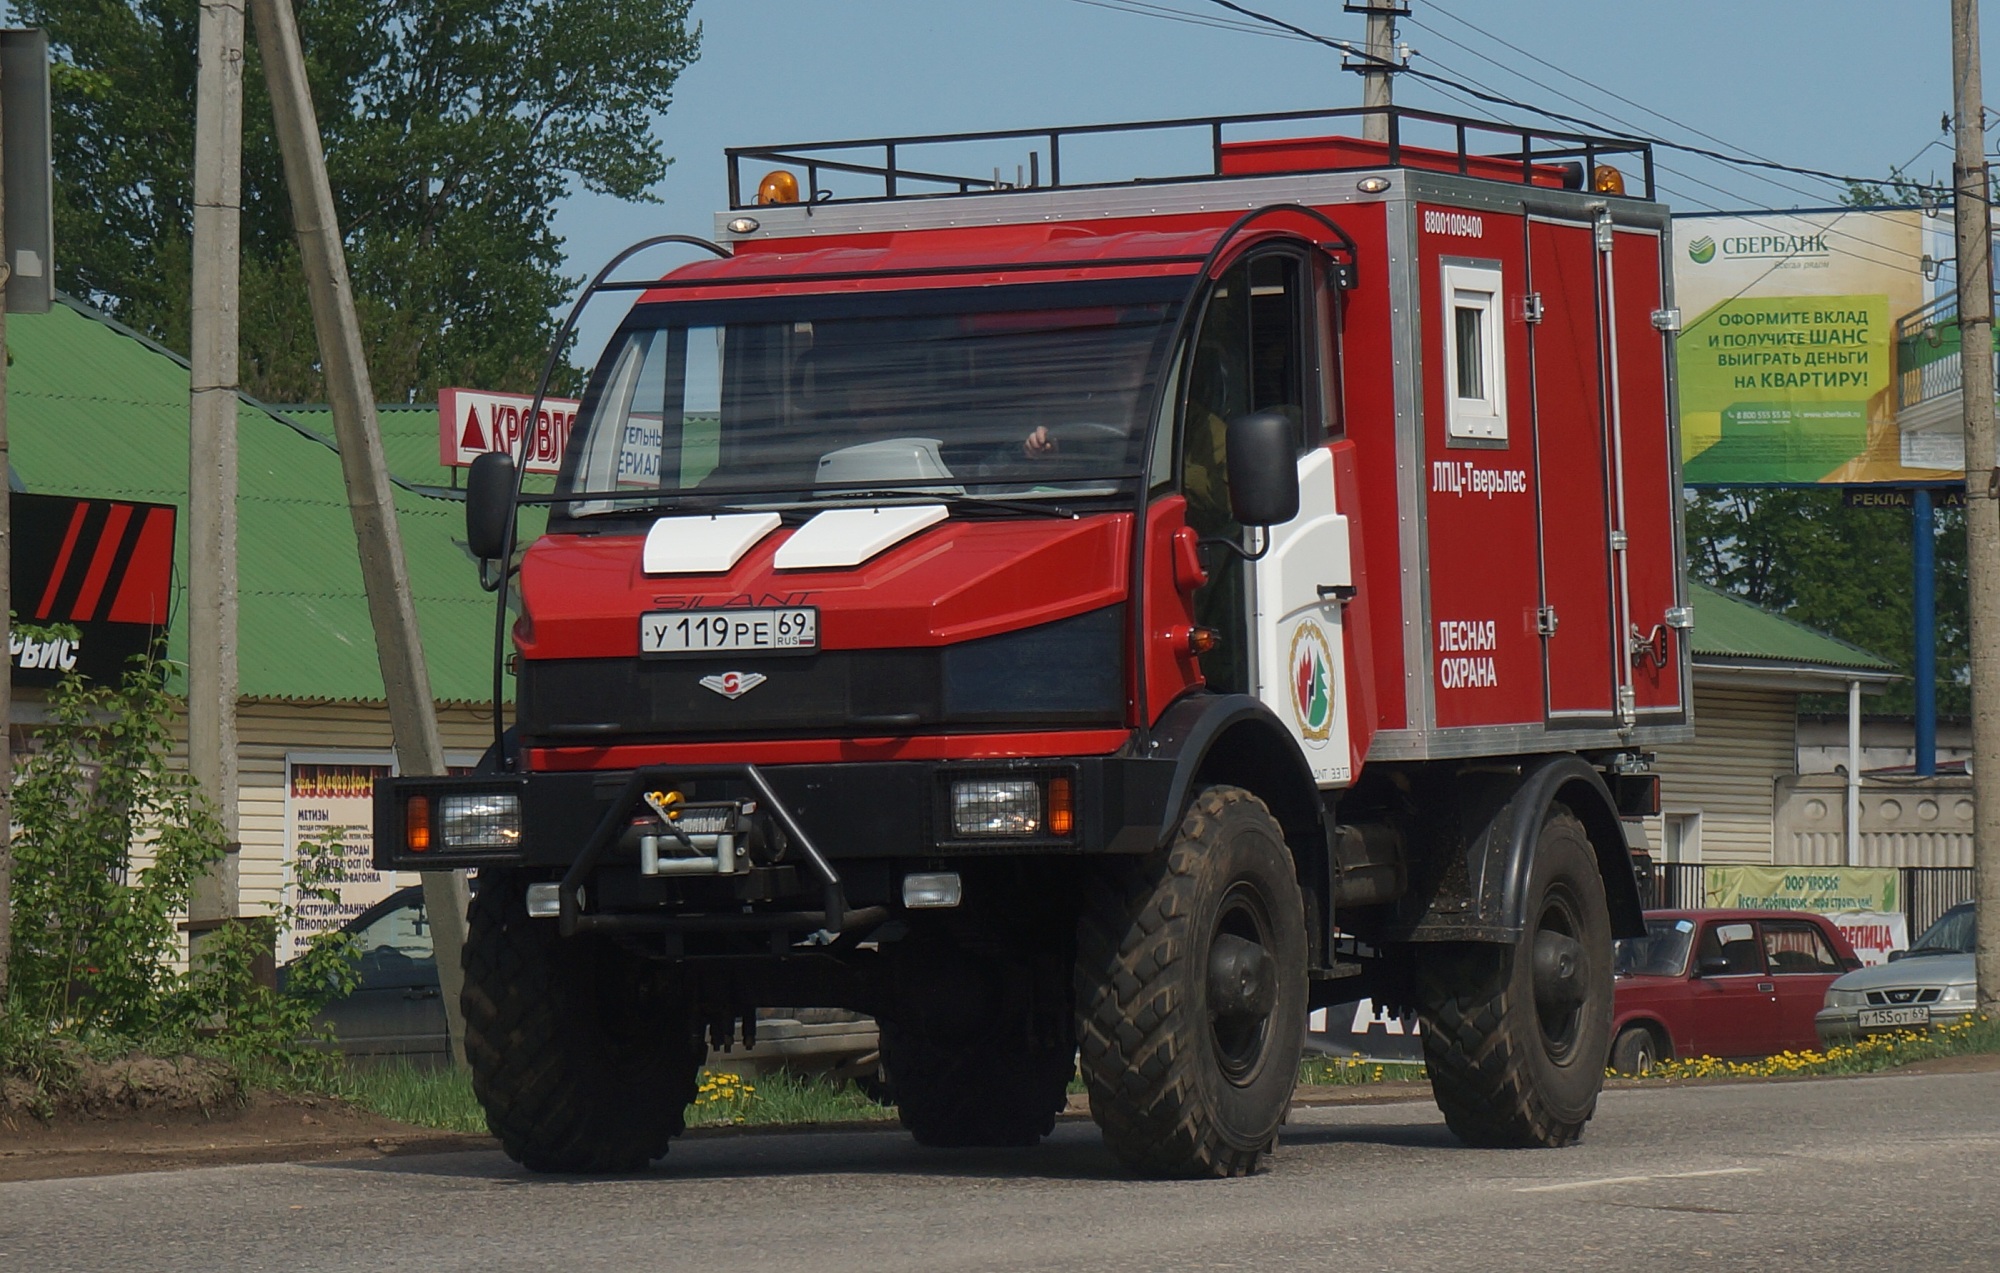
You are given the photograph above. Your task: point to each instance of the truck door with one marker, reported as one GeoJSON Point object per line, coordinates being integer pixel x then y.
{"type": "Point", "coordinates": [1578, 620]}
{"type": "Point", "coordinates": [1647, 465]}
{"type": "Point", "coordinates": [1279, 618]}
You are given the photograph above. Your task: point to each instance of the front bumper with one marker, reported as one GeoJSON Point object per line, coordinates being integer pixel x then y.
{"type": "Point", "coordinates": [855, 810]}
{"type": "Point", "coordinates": [1837, 1026]}
{"type": "Point", "coordinates": [816, 824]}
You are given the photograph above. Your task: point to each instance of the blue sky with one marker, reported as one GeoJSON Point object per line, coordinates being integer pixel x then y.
{"type": "Point", "coordinates": [1839, 85]}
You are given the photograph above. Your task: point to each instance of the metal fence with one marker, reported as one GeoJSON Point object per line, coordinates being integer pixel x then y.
{"type": "Point", "coordinates": [1930, 891]}
{"type": "Point", "coordinates": [1927, 891]}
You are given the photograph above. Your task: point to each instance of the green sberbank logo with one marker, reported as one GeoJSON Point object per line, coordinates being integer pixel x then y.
{"type": "Point", "coordinates": [1702, 250]}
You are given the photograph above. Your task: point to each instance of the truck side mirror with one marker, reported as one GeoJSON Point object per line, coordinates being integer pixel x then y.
{"type": "Point", "coordinates": [489, 504]}
{"type": "Point", "coordinates": [1262, 453]}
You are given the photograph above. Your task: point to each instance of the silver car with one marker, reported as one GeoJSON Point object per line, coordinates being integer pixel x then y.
{"type": "Point", "coordinates": [1929, 984]}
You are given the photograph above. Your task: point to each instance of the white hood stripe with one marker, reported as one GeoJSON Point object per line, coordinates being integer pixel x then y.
{"type": "Point", "coordinates": [843, 537]}
{"type": "Point", "coordinates": [703, 545]}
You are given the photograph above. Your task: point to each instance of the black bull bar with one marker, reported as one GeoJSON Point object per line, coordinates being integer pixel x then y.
{"type": "Point", "coordinates": [834, 916]}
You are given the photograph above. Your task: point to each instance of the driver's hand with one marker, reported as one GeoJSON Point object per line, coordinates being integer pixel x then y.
{"type": "Point", "coordinates": [1038, 444]}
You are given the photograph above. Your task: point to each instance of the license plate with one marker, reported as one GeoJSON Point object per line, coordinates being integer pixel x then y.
{"type": "Point", "coordinates": [794, 629]}
{"type": "Point", "coordinates": [1871, 1017]}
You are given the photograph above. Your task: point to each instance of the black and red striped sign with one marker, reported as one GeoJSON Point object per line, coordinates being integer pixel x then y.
{"type": "Point", "coordinates": [102, 568]}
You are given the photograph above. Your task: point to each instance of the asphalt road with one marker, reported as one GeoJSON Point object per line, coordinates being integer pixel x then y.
{"type": "Point", "coordinates": [1895, 1172]}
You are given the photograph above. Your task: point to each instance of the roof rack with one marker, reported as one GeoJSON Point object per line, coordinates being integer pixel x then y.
{"type": "Point", "coordinates": [886, 167]}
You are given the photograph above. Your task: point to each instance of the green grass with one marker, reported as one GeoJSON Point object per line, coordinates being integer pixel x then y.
{"type": "Point", "coordinates": [1344, 1071]}
{"type": "Point", "coordinates": [1870, 1055]}
{"type": "Point", "coordinates": [427, 1098]}
{"type": "Point", "coordinates": [443, 1099]}
{"type": "Point", "coordinates": [779, 1099]}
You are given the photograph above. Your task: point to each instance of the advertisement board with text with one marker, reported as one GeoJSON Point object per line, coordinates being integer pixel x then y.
{"type": "Point", "coordinates": [1823, 890]}
{"type": "Point", "coordinates": [1813, 349]}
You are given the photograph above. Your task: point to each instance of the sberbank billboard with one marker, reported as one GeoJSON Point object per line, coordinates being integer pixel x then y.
{"type": "Point", "coordinates": [1812, 349]}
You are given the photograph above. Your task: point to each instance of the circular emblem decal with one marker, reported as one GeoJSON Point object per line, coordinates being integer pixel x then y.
{"type": "Point", "coordinates": [1702, 250]}
{"type": "Point", "coordinates": [1312, 681]}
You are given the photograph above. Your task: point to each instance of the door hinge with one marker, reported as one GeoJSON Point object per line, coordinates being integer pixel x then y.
{"type": "Point", "coordinates": [1606, 239]}
{"type": "Point", "coordinates": [1545, 621]}
{"type": "Point", "coordinates": [1667, 320]}
{"type": "Point", "coordinates": [1680, 617]}
{"type": "Point", "coordinates": [1618, 541]}
{"type": "Point", "coordinates": [1531, 307]}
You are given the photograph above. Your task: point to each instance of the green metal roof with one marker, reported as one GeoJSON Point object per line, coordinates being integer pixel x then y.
{"type": "Point", "coordinates": [409, 439]}
{"type": "Point", "coordinates": [94, 410]}
{"type": "Point", "coordinates": [1730, 630]}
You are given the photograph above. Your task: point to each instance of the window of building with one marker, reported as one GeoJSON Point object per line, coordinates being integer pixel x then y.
{"type": "Point", "coordinates": [1680, 837]}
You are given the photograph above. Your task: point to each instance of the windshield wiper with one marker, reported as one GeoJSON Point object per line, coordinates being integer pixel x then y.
{"type": "Point", "coordinates": [958, 499]}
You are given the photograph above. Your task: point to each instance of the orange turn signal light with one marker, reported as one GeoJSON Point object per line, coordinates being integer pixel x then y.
{"type": "Point", "coordinates": [417, 824]}
{"type": "Point", "coordinates": [1062, 807]}
{"type": "Point", "coordinates": [1202, 640]}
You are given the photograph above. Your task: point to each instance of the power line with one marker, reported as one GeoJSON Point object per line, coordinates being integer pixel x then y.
{"type": "Point", "coordinates": [1831, 227]}
{"type": "Point", "coordinates": [1569, 97]}
{"type": "Point", "coordinates": [1768, 180]}
{"type": "Point", "coordinates": [1140, 8]}
{"type": "Point", "coordinates": [1638, 106]}
{"type": "Point", "coordinates": [1873, 243]}
{"type": "Point", "coordinates": [1484, 92]}
{"type": "Point", "coordinates": [1743, 161]}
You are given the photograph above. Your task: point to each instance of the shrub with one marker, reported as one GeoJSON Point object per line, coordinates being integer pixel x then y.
{"type": "Point", "coordinates": [110, 842]}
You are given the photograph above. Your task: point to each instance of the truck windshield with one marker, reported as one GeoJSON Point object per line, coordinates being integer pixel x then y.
{"type": "Point", "coordinates": [1006, 391]}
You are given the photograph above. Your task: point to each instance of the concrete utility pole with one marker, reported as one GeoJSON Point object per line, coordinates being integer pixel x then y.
{"type": "Point", "coordinates": [218, 215]}
{"type": "Point", "coordinates": [406, 683]}
{"type": "Point", "coordinates": [1982, 480]}
{"type": "Point", "coordinates": [6, 623]}
{"type": "Point", "coordinates": [1377, 80]}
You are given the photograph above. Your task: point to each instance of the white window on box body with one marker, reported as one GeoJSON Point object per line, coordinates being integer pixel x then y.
{"type": "Point", "coordinates": [1475, 364]}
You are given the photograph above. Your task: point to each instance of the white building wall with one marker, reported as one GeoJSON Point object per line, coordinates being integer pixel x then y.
{"type": "Point", "coordinates": [1744, 742]}
{"type": "Point", "coordinates": [269, 730]}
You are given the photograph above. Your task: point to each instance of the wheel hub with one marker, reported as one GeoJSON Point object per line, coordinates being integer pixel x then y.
{"type": "Point", "coordinates": [1241, 980]}
{"type": "Point", "coordinates": [1242, 985]}
{"type": "Point", "coordinates": [1560, 985]}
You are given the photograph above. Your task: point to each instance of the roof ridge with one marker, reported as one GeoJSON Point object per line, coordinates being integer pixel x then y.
{"type": "Point", "coordinates": [1869, 657]}
{"type": "Point", "coordinates": [96, 315]}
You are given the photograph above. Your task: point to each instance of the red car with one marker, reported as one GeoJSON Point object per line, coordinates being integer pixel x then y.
{"type": "Point", "coordinates": [1725, 983]}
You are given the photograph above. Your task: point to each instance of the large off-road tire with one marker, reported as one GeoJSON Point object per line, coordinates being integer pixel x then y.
{"type": "Point", "coordinates": [583, 1056]}
{"type": "Point", "coordinates": [978, 1093]}
{"type": "Point", "coordinates": [1191, 994]}
{"type": "Point", "coordinates": [1516, 1036]}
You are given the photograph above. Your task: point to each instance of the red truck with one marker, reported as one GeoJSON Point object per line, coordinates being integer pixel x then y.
{"type": "Point", "coordinates": [1088, 624]}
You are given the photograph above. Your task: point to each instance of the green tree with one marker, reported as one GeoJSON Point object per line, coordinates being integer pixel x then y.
{"type": "Point", "coordinates": [451, 127]}
{"type": "Point", "coordinates": [1845, 571]}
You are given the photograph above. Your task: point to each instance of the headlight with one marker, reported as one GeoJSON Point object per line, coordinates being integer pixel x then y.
{"type": "Point", "coordinates": [996, 806]}
{"type": "Point", "coordinates": [1959, 992]}
{"type": "Point", "coordinates": [1846, 998]}
{"type": "Point", "coordinates": [479, 820]}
